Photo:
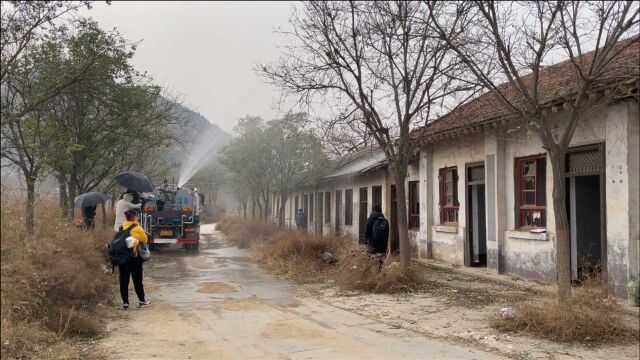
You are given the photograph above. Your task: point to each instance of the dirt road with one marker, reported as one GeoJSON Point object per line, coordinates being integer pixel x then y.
{"type": "Point", "coordinates": [217, 305]}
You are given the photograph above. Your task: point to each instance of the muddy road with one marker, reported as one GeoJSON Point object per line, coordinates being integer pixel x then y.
{"type": "Point", "coordinates": [214, 304]}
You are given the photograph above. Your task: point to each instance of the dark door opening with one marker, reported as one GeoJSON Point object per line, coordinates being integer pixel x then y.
{"type": "Point", "coordinates": [394, 236]}
{"type": "Point", "coordinates": [376, 195]}
{"type": "Point", "coordinates": [584, 220]}
{"type": "Point", "coordinates": [338, 211]}
{"type": "Point", "coordinates": [362, 219]}
{"type": "Point", "coordinates": [585, 211]}
{"type": "Point", "coordinates": [476, 254]}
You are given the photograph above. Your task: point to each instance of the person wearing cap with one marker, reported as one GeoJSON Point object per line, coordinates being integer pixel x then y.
{"type": "Point", "coordinates": [134, 268]}
{"type": "Point", "coordinates": [122, 205]}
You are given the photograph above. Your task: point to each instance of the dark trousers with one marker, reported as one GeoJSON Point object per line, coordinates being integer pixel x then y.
{"type": "Point", "coordinates": [133, 270]}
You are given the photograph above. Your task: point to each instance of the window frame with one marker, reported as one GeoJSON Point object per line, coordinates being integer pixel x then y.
{"type": "Point", "coordinates": [447, 210]}
{"type": "Point", "coordinates": [539, 191]}
{"type": "Point", "coordinates": [414, 204]}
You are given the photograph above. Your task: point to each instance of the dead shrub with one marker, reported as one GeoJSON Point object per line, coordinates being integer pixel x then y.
{"type": "Point", "coordinates": [588, 317]}
{"type": "Point", "coordinates": [53, 283]}
{"type": "Point", "coordinates": [297, 256]}
{"type": "Point", "coordinates": [242, 232]}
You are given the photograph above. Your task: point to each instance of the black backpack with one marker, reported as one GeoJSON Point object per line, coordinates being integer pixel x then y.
{"type": "Point", "coordinates": [380, 233]}
{"type": "Point", "coordinates": [119, 253]}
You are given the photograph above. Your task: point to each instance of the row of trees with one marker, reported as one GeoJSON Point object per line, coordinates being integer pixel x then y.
{"type": "Point", "coordinates": [275, 156]}
{"type": "Point", "coordinates": [390, 67]}
{"type": "Point", "coordinates": [73, 106]}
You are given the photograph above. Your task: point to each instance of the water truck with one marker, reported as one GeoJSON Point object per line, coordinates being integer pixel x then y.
{"type": "Point", "coordinates": [171, 215]}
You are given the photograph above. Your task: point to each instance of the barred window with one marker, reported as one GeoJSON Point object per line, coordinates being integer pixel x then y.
{"type": "Point", "coordinates": [348, 207]}
{"type": "Point", "coordinates": [414, 205]}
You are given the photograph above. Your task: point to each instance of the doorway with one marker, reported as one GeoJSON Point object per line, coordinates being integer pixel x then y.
{"type": "Point", "coordinates": [338, 211]}
{"type": "Point", "coordinates": [362, 219]}
{"type": "Point", "coordinates": [476, 244]}
{"type": "Point", "coordinates": [585, 197]}
{"type": "Point", "coordinates": [376, 195]}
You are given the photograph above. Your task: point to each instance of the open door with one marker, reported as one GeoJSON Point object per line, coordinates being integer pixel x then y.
{"type": "Point", "coordinates": [476, 244]}
{"type": "Point", "coordinates": [585, 212]}
{"type": "Point", "coordinates": [363, 215]}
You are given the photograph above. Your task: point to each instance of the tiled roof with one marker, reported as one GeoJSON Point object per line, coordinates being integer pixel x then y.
{"type": "Point", "coordinates": [360, 163]}
{"type": "Point", "coordinates": [556, 83]}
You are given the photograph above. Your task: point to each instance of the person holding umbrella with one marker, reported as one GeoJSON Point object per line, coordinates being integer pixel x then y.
{"type": "Point", "coordinates": [89, 213]}
{"type": "Point", "coordinates": [88, 203]}
{"type": "Point", "coordinates": [123, 205]}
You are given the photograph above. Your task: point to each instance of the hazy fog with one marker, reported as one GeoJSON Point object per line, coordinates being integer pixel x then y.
{"type": "Point", "coordinates": [204, 51]}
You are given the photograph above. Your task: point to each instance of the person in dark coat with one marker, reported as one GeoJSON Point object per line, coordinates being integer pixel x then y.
{"type": "Point", "coordinates": [301, 220]}
{"type": "Point", "coordinates": [377, 241]}
{"type": "Point", "coordinates": [89, 215]}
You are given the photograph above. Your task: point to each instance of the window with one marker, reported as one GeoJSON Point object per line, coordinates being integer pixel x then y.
{"type": "Point", "coordinates": [311, 207]}
{"type": "Point", "coordinates": [327, 207]}
{"type": "Point", "coordinates": [414, 205]}
{"type": "Point", "coordinates": [449, 195]}
{"type": "Point", "coordinates": [531, 194]}
{"type": "Point", "coordinates": [348, 207]}
{"type": "Point", "coordinates": [295, 209]}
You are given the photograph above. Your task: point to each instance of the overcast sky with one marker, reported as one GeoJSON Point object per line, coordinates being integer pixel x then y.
{"type": "Point", "coordinates": [204, 51]}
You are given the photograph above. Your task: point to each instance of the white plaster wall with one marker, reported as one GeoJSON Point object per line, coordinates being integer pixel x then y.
{"type": "Point", "coordinates": [452, 153]}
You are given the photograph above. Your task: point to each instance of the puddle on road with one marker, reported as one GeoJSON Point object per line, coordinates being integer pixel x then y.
{"type": "Point", "coordinates": [249, 304]}
{"type": "Point", "coordinates": [214, 287]}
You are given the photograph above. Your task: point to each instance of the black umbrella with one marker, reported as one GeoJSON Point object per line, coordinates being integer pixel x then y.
{"type": "Point", "coordinates": [90, 199]}
{"type": "Point", "coordinates": [135, 181]}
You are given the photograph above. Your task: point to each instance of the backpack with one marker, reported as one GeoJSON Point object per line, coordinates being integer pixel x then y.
{"type": "Point", "coordinates": [380, 233]}
{"type": "Point", "coordinates": [119, 253]}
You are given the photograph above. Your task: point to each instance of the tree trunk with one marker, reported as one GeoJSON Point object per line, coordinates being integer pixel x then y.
{"type": "Point", "coordinates": [400, 176]}
{"type": "Point", "coordinates": [253, 209]}
{"type": "Point", "coordinates": [31, 201]}
{"type": "Point", "coordinates": [104, 214]}
{"type": "Point", "coordinates": [563, 239]}
{"type": "Point", "coordinates": [73, 190]}
{"type": "Point", "coordinates": [63, 198]}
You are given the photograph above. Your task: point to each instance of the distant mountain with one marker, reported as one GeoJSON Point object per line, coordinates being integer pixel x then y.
{"type": "Point", "coordinates": [197, 132]}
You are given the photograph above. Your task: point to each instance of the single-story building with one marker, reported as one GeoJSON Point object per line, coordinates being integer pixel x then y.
{"type": "Point", "coordinates": [479, 191]}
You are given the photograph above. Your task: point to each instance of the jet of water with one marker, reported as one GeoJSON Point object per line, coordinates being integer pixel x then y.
{"type": "Point", "coordinates": [201, 152]}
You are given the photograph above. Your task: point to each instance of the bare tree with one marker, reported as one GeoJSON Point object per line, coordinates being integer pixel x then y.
{"type": "Point", "coordinates": [514, 44]}
{"type": "Point", "coordinates": [377, 59]}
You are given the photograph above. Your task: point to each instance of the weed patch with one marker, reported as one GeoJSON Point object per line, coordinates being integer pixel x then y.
{"type": "Point", "coordinates": [587, 317]}
{"type": "Point", "coordinates": [54, 288]}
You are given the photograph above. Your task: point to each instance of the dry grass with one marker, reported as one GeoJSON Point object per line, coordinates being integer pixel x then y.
{"type": "Point", "coordinates": [243, 232]}
{"type": "Point", "coordinates": [587, 317]}
{"type": "Point", "coordinates": [54, 289]}
{"type": "Point", "coordinates": [297, 256]}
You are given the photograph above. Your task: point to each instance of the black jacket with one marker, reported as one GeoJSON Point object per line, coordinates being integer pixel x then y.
{"type": "Point", "coordinates": [375, 245]}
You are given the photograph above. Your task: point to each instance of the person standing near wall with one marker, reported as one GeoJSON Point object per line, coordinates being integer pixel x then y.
{"type": "Point", "coordinates": [301, 220]}
{"type": "Point", "coordinates": [377, 233]}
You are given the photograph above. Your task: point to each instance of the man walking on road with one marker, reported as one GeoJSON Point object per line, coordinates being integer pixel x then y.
{"type": "Point", "coordinates": [301, 220]}
{"type": "Point", "coordinates": [377, 233]}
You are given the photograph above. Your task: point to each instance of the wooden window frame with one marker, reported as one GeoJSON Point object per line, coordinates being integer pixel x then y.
{"type": "Point", "coordinates": [414, 204]}
{"type": "Point", "coordinates": [348, 207]}
{"type": "Point", "coordinates": [449, 214]}
{"type": "Point", "coordinates": [539, 192]}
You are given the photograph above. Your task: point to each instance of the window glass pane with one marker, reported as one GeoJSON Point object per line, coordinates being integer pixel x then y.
{"type": "Point", "coordinates": [529, 198]}
{"type": "Point", "coordinates": [526, 218]}
{"type": "Point", "coordinates": [529, 168]}
{"type": "Point", "coordinates": [448, 176]}
{"type": "Point", "coordinates": [529, 183]}
{"type": "Point", "coordinates": [448, 188]}
{"type": "Point", "coordinates": [536, 218]}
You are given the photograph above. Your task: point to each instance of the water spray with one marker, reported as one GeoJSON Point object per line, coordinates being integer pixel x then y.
{"type": "Point", "coordinates": [201, 153]}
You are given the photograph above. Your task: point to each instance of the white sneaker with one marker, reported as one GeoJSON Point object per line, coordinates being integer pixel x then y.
{"type": "Point", "coordinates": [144, 304]}
{"type": "Point", "coordinates": [125, 306]}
